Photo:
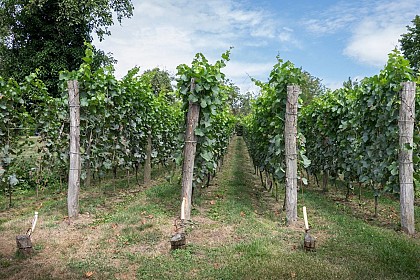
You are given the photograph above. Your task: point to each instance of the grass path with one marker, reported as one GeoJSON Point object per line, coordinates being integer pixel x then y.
{"type": "Point", "coordinates": [237, 232]}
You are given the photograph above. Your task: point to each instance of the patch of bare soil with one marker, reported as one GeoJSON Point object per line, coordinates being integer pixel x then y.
{"type": "Point", "coordinates": [159, 240]}
{"type": "Point", "coordinates": [209, 233]}
{"type": "Point", "coordinates": [59, 245]}
{"type": "Point", "coordinates": [52, 244]}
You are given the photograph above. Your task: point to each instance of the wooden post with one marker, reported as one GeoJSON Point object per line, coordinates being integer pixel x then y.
{"type": "Point", "coordinates": [290, 134]}
{"type": "Point", "coordinates": [178, 240]}
{"type": "Point", "coordinates": [74, 171]}
{"type": "Point", "coordinates": [406, 127]}
{"type": "Point", "coordinates": [189, 154]}
{"type": "Point", "coordinates": [148, 162]}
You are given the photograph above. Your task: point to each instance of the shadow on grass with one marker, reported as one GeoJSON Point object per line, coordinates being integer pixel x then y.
{"type": "Point", "coordinates": [368, 250]}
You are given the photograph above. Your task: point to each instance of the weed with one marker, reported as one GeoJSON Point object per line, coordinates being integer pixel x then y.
{"type": "Point", "coordinates": [5, 263]}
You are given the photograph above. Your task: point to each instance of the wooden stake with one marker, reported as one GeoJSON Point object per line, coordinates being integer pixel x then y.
{"type": "Point", "coordinates": [148, 161]}
{"type": "Point", "coordinates": [290, 134]}
{"type": "Point", "coordinates": [308, 241]}
{"type": "Point", "coordinates": [74, 171]}
{"type": "Point", "coordinates": [23, 242]}
{"type": "Point", "coordinates": [88, 162]}
{"type": "Point", "coordinates": [34, 221]}
{"type": "Point", "coordinates": [406, 128]}
{"type": "Point", "coordinates": [305, 218]}
{"type": "Point", "coordinates": [183, 208]}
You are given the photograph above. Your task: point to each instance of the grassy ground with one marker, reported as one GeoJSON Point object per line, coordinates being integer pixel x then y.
{"type": "Point", "coordinates": [237, 232]}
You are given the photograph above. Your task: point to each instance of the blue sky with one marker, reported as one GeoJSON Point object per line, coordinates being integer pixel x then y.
{"type": "Point", "coordinates": [332, 40]}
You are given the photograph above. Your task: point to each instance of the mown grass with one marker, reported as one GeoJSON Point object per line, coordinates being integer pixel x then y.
{"type": "Point", "coordinates": [364, 208]}
{"type": "Point", "coordinates": [366, 250]}
{"type": "Point", "coordinates": [237, 232]}
{"type": "Point", "coordinates": [350, 248]}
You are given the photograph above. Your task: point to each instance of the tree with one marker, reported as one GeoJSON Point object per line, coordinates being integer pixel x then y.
{"type": "Point", "coordinates": [410, 44]}
{"type": "Point", "coordinates": [242, 105]}
{"type": "Point", "coordinates": [311, 87]}
{"type": "Point", "coordinates": [50, 35]}
{"type": "Point", "coordinates": [160, 80]}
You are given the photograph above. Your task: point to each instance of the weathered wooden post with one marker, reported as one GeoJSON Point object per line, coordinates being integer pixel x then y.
{"type": "Point", "coordinates": [190, 146]}
{"type": "Point", "coordinates": [74, 170]}
{"type": "Point", "coordinates": [189, 154]}
{"type": "Point", "coordinates": [406, 128]}
{"type": "Point", "coordinates": [148, 162]}
{"type": "Point", "coordinates": [290, 135]}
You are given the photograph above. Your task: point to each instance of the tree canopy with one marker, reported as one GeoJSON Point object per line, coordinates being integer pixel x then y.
{"type": "Point", "coordinates": [50, 34]}
{"type": "Point", "coordinates": [159, 79]}
{"type": "Point", "coordinates": [311, 87]}
{"type": "Point", "coordinates": [410, 44]}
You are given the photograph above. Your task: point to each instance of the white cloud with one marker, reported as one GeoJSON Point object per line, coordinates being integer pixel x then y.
{"type": "Point", "coordinates": [377, 33]}
{"type": "Point", "coordinates": [374, 27]}
{"type": "Point", "coordinates": [240, 69]}
{"type": "Point", "coordinates": [333, 85]}
{"type": "Point", "coordinates": [334, 18]}
{"type": "Point", "coordinates": [242, 72]}
{"type": "Point", "coordinates": [370, 43]}
{"type": "Point", "coordinates": [319, 27]}
{"type": "Point", "coordinates": [167, 33]}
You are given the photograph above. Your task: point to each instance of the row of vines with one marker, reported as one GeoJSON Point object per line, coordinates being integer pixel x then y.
{"type": "Point", "coordinates": [116, 119]}
{"type": "Point", "coordinates": [265, 126]}
{"type": "Point", "coordinates": [350, 134]}
{"type": "Point", "coordinates": [216, 121]}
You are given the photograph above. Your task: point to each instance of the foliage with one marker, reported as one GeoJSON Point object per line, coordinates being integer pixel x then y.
{"type": "Point", "coordinates": [410, 44]}
{"type": "Point", "coordinates": [244, 107]}
{"type": "Point", "coordinates": [216, 122]}
{"type": "Point", "coordinates": [160, 80]}
{"type": "Point", "coordinates": [116, 117]}
{"type": "Point", "coordinates": [265, 126]}
{"type": "Point", "coordinates": [49, 35]}
{"type": "Point", "coordinates": [353, 131]}
{"type": "Point", "coordinates": [234, 97]}
{"type": "Point", "coordinates": [14, 120]}
{"type": "Point", "coordinates": [311, 87]}
{"type": "Point", "coordinates": [250, 243]}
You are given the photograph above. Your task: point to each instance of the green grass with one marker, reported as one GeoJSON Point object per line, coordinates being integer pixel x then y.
{"type": "Point", "coordinates": [388, 205]}
{"type": "Point", "coordinates": [238, 232]}
{"type": "Point", "coordinates": [350, 248]}
{"type": "Point", "coordinates": [366, 250]}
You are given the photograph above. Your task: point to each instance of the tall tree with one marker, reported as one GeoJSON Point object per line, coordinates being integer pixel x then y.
{"type": "Point", "coordinates": [311, 87]}
{"type": "Point", "coordinates": [50, 34]}
{"type": "Point", "coordinates": [410, 44]}
{"type": "Point", "coordinates": [242, 104]}
{"type": "Point", "coordinates": [159, 79]}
